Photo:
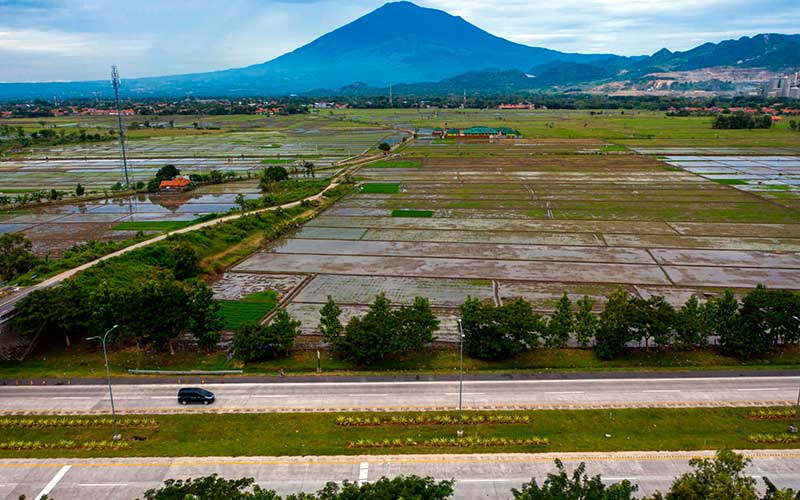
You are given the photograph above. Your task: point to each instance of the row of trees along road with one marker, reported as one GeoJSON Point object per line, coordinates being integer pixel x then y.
{"type": "Point", "coordinates": [720, 478]}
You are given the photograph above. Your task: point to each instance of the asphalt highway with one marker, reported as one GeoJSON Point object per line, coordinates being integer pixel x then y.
{"type": "Point", "coordinates": [430, 395]}
{"type": "Point", "coordinates": [476, 476]}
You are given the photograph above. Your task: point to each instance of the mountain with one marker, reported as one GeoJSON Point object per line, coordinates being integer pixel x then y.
{"type": "Point", "coordinates": [399, 42]}
{"type": "Point", "coordinates": [426, 50]}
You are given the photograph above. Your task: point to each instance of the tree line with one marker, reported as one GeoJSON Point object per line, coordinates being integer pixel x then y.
{"type": "Point", "coordinates": [741, 120]}
{"type": "Point", "coordinates": [720, 478]}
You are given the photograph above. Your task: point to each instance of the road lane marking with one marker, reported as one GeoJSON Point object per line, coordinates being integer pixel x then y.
{"type": "Point", "coordinates": [565, 392]}
{"type": "Point", "coordinates": [366, 394]}
{"type": "Point", "coordinates": [163, 397]}
{"type": "Point", "coordinates": [53, 482]}
{"type": "Point", "coordinates": [483, 480]}
{"type": "Point", "coordinates": [663, 390]}
{"type": "Point", "coordinates": [760, 389]}
{"type": "Point", "coordinates": [363, 472]}
{"type": "Point", "coordinates": [465, 393]}
{"type": "Point", "coordinates": [69, 397]}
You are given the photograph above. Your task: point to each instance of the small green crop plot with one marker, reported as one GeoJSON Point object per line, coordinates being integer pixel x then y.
{"type": "Point", "coordinates": [249, 309]}
{"type": "Point", "coordinates": [395, 164]}
{"type": "Point", "coordinates": [277, 161]}
{"type": "Point", "coordinates": [160, 226]}
{"type": "Point", "coordinates": [729, 182]}
{"type": "Point", "coordinates": [412, 213]}
{"type": "Point", "coordinates": [381, 188]}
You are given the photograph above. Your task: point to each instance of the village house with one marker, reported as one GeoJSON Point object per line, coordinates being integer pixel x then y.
{"type": "Point", "coordinates": [175, 185]}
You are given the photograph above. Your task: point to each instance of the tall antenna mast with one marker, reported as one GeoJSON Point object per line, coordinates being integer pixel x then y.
{"type": "Point", "coordinates": [115, 83]}
{"type": "Point", "coordinates": [390, 95]}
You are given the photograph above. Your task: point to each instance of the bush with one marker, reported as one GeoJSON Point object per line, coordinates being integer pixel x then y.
{"type": "Point", "coordinates": [615, 327]}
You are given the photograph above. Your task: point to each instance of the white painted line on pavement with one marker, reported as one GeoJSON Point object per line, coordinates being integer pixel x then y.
{"type": "Point", "coordinates": [465, 393]}
{"type": "Point", "coordinates": [483, 480]}
{"type": "Point", "coordinates": [366, 394]}
{"type": "Point", "coordinates": [565, 392]}
{"type": "Point", "coordinates": [53, 482]}
{"type": "Point", "coordinates": [68, 397]}
{"type": "Point", "coordinates": [760, 389]}
{"type": "Point", "coordinates": [163, 397]}
{"type": "Point", "coordinates": [363, 472]}
{"type": "Point", "coordinates": [663, 390]}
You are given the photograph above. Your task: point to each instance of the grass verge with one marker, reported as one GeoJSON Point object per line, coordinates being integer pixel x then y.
{"type": "Point", "coordinates": [161, 226]}
{"type": "Point", "coordinates": [276, 434]}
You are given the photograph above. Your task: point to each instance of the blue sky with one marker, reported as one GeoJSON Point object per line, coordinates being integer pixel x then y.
{"type": "Point", "coordinates": [79, 39]}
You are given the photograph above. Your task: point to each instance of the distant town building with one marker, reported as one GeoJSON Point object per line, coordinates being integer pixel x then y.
{"type": "Point", "coordinates": [786, 86]}
{"type": "Point", "coordinates": [478, 131]}
{"type": "Point", "coordinates": [519, 105]}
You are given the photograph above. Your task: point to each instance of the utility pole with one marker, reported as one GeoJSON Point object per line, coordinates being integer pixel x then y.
{"type": "Point", "coordinates": [460, 431]}
{"type": "Point", "coordinates": [390, 95]}
{"type": "Point", "coordinates": [115, 83]}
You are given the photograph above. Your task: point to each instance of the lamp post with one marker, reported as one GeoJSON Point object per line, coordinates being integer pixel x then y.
{"type": "Point", "coordinates": [793, 428]}
{"type": "Point", "coordinates": [460, 431]}
{"type": "Point", "coordinates": [108, 376]}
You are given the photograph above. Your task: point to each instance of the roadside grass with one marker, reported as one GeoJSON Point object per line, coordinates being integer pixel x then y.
{"type": "Point", "coordinates": [412, 213]}
{"type": "Point", "coordinates": [275, 434]}
{"type": "Point", "coordinates": [85, 360]}
{"type": "Point", "coordinates": [380, 188]}
{"type": "Point", "coordinates": [278, 161]}
{"type": "Point", "coordinates": [160, 226]}
{"type": "Point", "coordinates": [394, 164]}
{"type": "Point", "coordinates": [249, 309]}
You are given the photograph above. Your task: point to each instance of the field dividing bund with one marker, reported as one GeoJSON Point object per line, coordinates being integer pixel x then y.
{"type": "Point", "coordinates": [535, 227]}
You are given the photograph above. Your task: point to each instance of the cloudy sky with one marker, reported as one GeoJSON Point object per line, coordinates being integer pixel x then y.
{"type": "Point", "coordinates": [79, 39]}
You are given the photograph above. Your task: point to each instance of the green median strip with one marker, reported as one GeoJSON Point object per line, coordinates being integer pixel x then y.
{"type": "Point", "coordinates": [297, 434]}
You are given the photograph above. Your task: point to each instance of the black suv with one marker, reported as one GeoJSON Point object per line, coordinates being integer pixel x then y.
{"type": "Point", "coordinates": [195, 395]}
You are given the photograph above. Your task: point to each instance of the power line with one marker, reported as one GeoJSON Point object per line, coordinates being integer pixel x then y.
{"type": "Point", "coordinates": [115, 83]}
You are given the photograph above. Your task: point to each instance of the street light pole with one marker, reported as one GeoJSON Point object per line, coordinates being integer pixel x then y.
{"type": "Point", "coordinates": [108, 377]}
{"type": "Point", "coordinates": [793, 428]}
{"type": "Point", "coordinates": [460, 431]}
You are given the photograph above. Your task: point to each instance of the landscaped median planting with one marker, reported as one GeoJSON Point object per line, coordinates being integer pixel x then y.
{"type": "Point", "coordinates": [64, 444]}
{"type": "Point", "coordinates": [783, 438]}
{"type": "Point", "coordinates": [773, 413]}
{"type": "Point", "coordinates": [34, 423]}
{"type": "Point", "coordinates": [430, 419]}
{"type": "Point", "coordinates": [466, 442]}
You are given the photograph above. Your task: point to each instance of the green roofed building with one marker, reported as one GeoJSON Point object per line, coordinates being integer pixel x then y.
{"type": "Point", "coordinates": [453, 132]}
{"type": "Point", "coordinates": [508, 131]}
{"type": "Point", "coordinates": [479, 131]}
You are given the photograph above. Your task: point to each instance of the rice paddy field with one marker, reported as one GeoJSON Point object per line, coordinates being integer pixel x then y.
{"type": "Point", "coordinates": [240, 144]}
{"type": "Point", "coordinates": [453, 219]}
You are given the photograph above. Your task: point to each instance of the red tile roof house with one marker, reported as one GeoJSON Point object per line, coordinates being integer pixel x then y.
{"type": "Point", "coordinates": [176, 185]}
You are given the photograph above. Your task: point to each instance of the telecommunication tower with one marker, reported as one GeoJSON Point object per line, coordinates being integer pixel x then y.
{"type": "Point", "coordinates": [115, 83]}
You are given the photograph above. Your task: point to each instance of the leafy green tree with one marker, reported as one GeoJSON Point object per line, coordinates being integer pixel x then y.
{"type": "Point", "coordinates": [329, 324]}
{"type": "Point", "coordinates": [253, 342]}
{"type": "Point", "coordinates": [167, 173]}
{"type": "Point", "coordinates": [159, 312]}
{"type": "Point", "coordinates": [271, 175]}
{"type": "Point", "coordinates": [79, 190]}
{"type": "Point", "coordinates": [768, 317]}
{"type": "Point", "coordinates": [184, 261]}
{"type": "Point", "coordinates": [241, 201]}
{"type": "Point", "coordinates": [384, 146]}
{"type": "Point", "coordinates": [495, 333]}
{"type": "Point", "coordinates": [561, 324]}
{"type": "Point", "coordinates": [691, 325]}
{"type": "Point", "coordinates": [416, 325]}
{"type": "Point", "coordinates": [579, 486]}
{"type": "Point", "coordinates": [400, 487]}
{"type": "Point", "coordinates": [210, 487]}
{"type": "Point", "coordinates": [52, 313]}
{"type": "Point", "coordinates": [205, 320]}
{"type": "Point", "coordinates": [585, 321]}
{"type": "Point", "coordinates": [653, 318]}
{"type": "Point", "coordinates": [615, 327]}
{"type": "Point", "coordinates": [368, 339]}
{"type": "Point", "coordinates": [16, 256]}
{"type": "Point", "coordinates": [727, 324]}
{"type": "Point", "coordinates": [722, 478]}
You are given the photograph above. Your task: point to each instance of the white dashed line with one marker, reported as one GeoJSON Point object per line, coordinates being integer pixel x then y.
{"type": "Point", "coordinates": [363, 473]}
{"type": "Point", "coordinates": [53, 482]}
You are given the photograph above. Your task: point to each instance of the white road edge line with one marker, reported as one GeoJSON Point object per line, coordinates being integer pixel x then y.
{"type": "Point", "coordinates": [53, 482]}
{"type": "Point", "coordinates": [366, 394]}
{"type": "Point", "coordinates": [565, 392]}
{"type": "Point", "coordinates": [270, 395]}
{"type": "Point", "coordinates": [663, 390]}
{"type": "Point", "coordinates": [760, 389]}
{"type": "Point", "coordinates": [465, 393]}
{"type": "Point", "coordinates": [363, 472]}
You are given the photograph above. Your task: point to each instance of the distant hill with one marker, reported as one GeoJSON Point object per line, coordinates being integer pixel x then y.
{"type": "Point", "coordinates": [426, 50]}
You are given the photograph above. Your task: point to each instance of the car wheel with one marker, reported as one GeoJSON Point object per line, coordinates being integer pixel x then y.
{"type": "Point", "coordinates": [205, 402]}
{"type": "Point", "coordinates": [183, 402]}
